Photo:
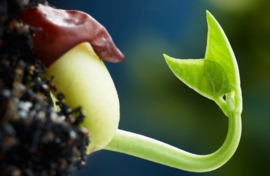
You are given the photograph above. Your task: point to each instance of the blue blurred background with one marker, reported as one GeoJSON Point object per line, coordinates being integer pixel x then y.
{"type": "Point", "coordinates": [154, 103]}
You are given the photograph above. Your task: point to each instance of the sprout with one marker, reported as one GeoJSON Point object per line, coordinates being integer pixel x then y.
{"type": "Point", "coordinates": [216, 76]}
{"type": "Point", "coordinates": [82, 76]}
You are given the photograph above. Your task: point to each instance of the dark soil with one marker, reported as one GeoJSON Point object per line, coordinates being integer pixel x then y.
{"type": "Point", "coordinates": [35, 139]}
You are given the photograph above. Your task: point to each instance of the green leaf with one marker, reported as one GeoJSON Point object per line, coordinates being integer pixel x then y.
{"type": "Point", "coordinates": [216, 74]}
{"type": "Point", "coordinates": [219, 50]}
{"type": "Point", "coordinates": [204, 76]}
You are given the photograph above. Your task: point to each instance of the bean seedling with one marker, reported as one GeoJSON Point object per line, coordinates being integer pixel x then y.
{"type": "Point", "coordinates": [216, 77]}
{"type": "Point", "coordinates": [82, 76]}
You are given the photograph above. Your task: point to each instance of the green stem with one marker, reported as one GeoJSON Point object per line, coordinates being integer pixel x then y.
{"type": "Point", "coordinates": [159, 152]}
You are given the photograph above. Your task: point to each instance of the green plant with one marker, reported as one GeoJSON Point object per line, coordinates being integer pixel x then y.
{"type": "Point", "coordinates": [215, 77]}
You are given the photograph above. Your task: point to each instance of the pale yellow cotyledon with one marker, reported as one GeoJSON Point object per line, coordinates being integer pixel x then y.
{"type": "Point", "coordinates": [86, 82]}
